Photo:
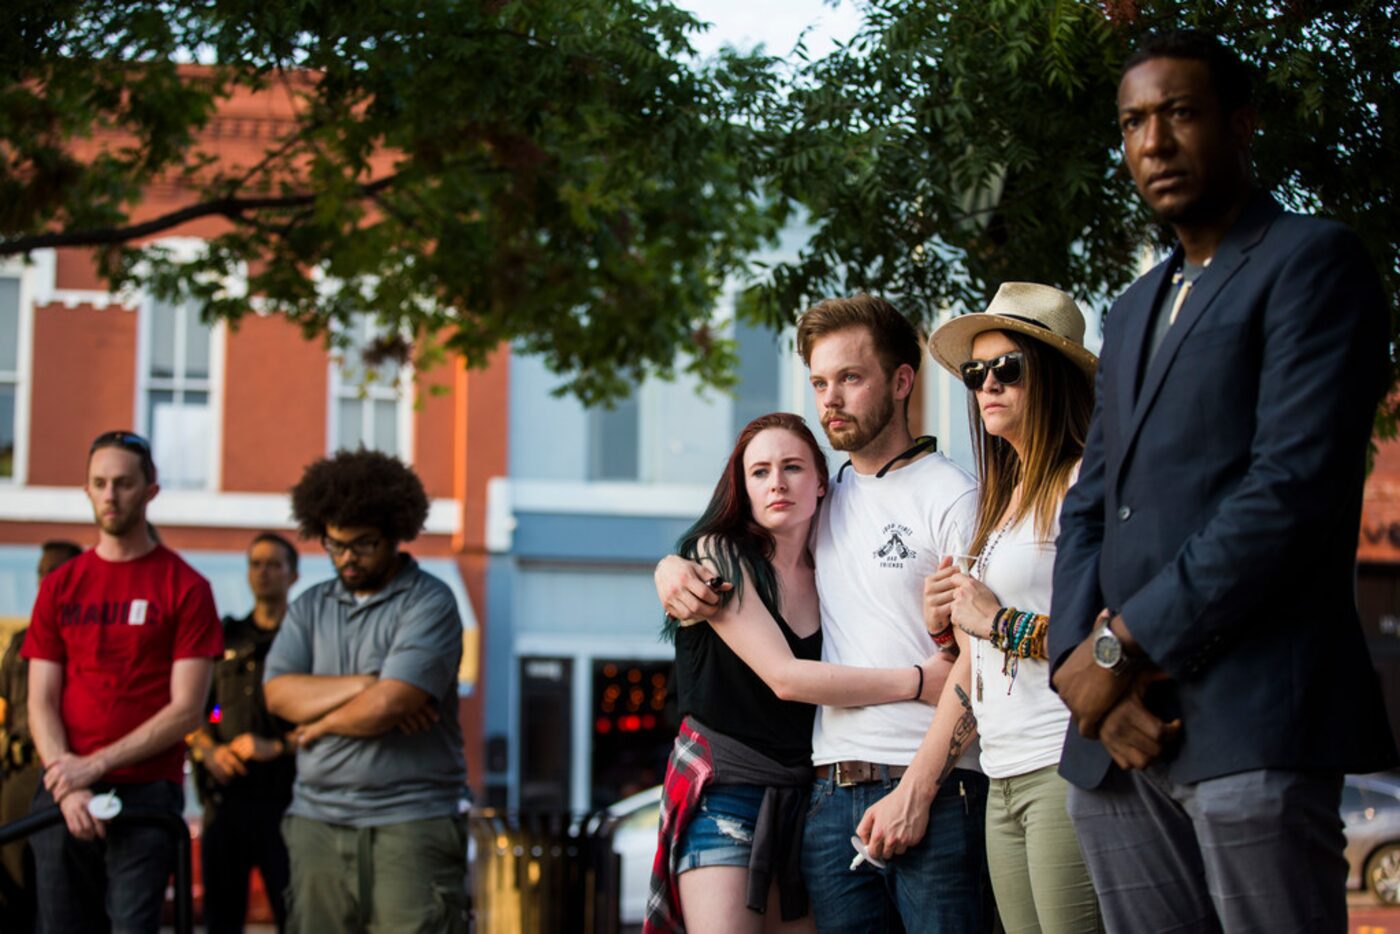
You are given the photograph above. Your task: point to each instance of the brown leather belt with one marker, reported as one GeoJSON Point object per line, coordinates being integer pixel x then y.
{"type": "Point", "coordinates": [853, 772]}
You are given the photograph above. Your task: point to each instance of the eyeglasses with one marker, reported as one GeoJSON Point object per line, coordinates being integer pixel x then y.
{"type": "Point", "coordinates": [1006, 368]}
{"type": "Point", "coordinates": [362, 547]}
{"type": "Point", "coordinates": [122, 439]}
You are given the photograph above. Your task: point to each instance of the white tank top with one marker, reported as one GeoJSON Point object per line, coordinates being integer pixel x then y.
{"type": "Point", "coordinates": [1021, 721]}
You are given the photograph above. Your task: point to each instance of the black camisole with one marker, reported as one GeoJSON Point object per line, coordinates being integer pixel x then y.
{"type": "Point", "coordinates": [715, 686]}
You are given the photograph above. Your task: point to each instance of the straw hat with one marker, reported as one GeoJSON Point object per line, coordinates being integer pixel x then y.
{"type": "Point", "coordinates": [1039, 311]}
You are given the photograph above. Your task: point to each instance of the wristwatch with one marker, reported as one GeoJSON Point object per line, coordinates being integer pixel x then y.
{"type": "Point", "coordinates": [1109, 653]}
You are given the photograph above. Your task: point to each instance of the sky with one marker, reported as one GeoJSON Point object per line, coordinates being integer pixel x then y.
{"type": "Point", "coordinates": [774, 23]}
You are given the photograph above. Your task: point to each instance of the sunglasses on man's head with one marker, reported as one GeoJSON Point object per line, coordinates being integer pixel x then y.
{"type": "Point", "coordinates": [1006, 368]}
{"type": "Point", "coordinates": [124, 439]}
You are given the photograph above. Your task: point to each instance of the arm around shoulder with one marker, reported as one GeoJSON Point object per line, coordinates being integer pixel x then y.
{"type": "Point", "coordinates": [684, 588]}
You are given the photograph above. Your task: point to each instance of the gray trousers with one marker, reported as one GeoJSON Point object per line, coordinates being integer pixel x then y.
{"type": "Point", "coordinates": [1255, 851]}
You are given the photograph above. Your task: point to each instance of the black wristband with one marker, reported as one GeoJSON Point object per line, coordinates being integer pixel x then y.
{"type": "Point", "coordinates": [920, 691]}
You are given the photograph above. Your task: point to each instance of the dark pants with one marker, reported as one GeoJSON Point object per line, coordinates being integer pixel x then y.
{"type": "Point", "coordinates": [938, 885]}
{"type": "Point", "coordinates": [16, 862]}
{"type": "Point", "coordinates": [114, 884]}
{"type": "Point", "coordinates": [1255, 851]}
{"type": "Point", "coordinates": [237, 837]}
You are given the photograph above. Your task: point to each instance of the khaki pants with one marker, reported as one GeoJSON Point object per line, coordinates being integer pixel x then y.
{"type": "Point", "coordinates": [408, 877]}
{"type": "Point", "coordinates": [1038, 872]}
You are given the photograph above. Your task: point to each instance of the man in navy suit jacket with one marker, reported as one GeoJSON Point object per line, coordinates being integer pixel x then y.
{"type": "Point", "coordinates": [1205, 636]}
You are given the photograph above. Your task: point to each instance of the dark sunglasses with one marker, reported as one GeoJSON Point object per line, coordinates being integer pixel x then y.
{"type": "Point", "coordinates": [1006, 368]}
{"type": "Point", "coordinates": [121, 439]}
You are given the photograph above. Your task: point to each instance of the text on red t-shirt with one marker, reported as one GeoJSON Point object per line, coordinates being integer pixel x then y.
{"type": "Point", "coordinates": [117, 628]}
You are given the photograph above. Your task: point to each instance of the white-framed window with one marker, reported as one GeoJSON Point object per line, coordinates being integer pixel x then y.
{"type": "Point", "coordinates": [11, 382]}
{"type": "Point", "coordinates": [371, 406]}
{"type": "Point", "coordinates": [677, 432]}
{"type": "Point", "coordinates": [176, 405]}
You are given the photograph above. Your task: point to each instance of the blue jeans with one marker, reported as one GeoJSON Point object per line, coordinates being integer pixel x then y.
{"type": "Point", "coordinates": [116, 884]}
{"type": "Point", "coordinates": [721, 832]}
{"type": "Point", "coordinates": [938, 885]}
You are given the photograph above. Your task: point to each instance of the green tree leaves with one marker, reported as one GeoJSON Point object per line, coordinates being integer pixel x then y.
{"type": "Point", "coordinates": [556, 174]}
{"type": "Point", "coordinates": [564, 175]}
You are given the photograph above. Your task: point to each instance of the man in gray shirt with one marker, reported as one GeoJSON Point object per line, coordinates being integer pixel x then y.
{"type": "Point", "coordinates": [367, 665]}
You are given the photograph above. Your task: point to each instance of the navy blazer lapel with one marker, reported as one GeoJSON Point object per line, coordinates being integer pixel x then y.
{"type": "Point", "coordinates": [1135, 337]}
{"type": "Point", "coordinates": [1232, 254]}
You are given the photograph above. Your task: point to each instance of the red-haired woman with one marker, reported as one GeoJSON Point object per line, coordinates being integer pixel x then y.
{"type": "Point", "coordinates": [737, 784]}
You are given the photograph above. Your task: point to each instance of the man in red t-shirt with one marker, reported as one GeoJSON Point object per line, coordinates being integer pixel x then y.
{"type": "Point", "coordinates": [120, 648]}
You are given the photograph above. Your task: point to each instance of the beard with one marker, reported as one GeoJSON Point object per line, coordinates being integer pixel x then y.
{"type": "Point", "coordinates": [370, 579]}
{"type": "Point", "coordinates": [120, 524]}
{"type": "Point", "coordinates": [859, 433]}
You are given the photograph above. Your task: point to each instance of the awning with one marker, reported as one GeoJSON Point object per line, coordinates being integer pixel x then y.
{"type": "Point", "coordinates": [1379, 541]}
{"type": "Point", "coordinates": [1380, 532]}
{"type": "Point", "coordinates": [227, 573]}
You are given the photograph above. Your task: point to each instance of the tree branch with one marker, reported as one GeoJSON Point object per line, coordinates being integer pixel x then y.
{"type": "Point", "coordinates": [232, 208]}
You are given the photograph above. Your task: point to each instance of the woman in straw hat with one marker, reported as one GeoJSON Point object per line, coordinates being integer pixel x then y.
{"type": "Point", "coordinates": [1030, 382]}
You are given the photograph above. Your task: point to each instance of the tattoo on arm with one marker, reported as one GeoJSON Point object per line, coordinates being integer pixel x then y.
{"type": "Point", "coordinates": [963, 731]}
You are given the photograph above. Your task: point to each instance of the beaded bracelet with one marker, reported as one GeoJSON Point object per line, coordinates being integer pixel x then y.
{"type": "Point", "coordinates": [999, 623]}
{"type": "Point", "coordinates": [1030, 637]}
{"type": "Point", "coordinates": [1019, 635]}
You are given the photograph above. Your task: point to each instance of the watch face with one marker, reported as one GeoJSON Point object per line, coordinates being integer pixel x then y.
{"type": "Point", "coordinates": [1107, 650]}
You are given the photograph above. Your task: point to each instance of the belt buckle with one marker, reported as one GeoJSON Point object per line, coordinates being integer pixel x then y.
{"type": "Point", "coordinates": [842, 779]}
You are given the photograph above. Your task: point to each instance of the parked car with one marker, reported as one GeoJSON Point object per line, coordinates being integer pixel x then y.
{"type": "Point", "coordinates": [1371, 814]}
{"type": "Point", "coordinates": [634, 840]}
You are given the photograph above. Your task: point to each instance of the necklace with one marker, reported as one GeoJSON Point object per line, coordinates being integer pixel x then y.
{"type": "Point", "coordinates": [979, 571]}
{"type": "Point", "coordinates": [921, 444]}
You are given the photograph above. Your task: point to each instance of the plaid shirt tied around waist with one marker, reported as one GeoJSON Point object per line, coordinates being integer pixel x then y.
{"type": "Point", "coordinates": [701, 757]}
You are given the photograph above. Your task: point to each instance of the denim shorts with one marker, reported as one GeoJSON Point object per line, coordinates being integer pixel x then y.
{"type": "Point", "coordinates": [721, 831]}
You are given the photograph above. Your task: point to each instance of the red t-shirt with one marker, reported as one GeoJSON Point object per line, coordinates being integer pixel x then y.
{"type": "Point", "coordinates": [117, 627]}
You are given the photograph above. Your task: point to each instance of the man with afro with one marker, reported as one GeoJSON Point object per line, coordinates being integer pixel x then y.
{"type": "Point", "coordinates": [366, 665]}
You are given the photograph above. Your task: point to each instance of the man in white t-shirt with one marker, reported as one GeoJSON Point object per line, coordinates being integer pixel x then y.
{"type": "Point", "coordinates": [904, 781]}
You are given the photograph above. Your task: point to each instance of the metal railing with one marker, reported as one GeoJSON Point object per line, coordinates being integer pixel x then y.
{"type": "Point", "coordinates": [173, 824]}
{"type": "Point", "coordinates": [529, 871]}
{"type": "Point", "coordinates": [541, 872]}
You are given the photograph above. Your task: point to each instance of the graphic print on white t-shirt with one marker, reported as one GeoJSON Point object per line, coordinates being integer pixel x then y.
{"type": "Point", "coordinates": [877, 539]}
{"type": "Point", "coordinates": [894, 552]}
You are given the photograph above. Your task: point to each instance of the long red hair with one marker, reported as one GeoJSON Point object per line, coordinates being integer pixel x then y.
{"type": "Point", "coordinates": [735, 539]}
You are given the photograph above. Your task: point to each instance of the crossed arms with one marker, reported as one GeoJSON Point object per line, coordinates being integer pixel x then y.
{"type": "Point", "coordinates": [424, 651]}
{"type": "Point", "coordinates": [348, 705]}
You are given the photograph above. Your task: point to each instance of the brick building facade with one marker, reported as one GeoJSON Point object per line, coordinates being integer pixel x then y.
{"type": "Point", "coordinates": [233, 413]}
